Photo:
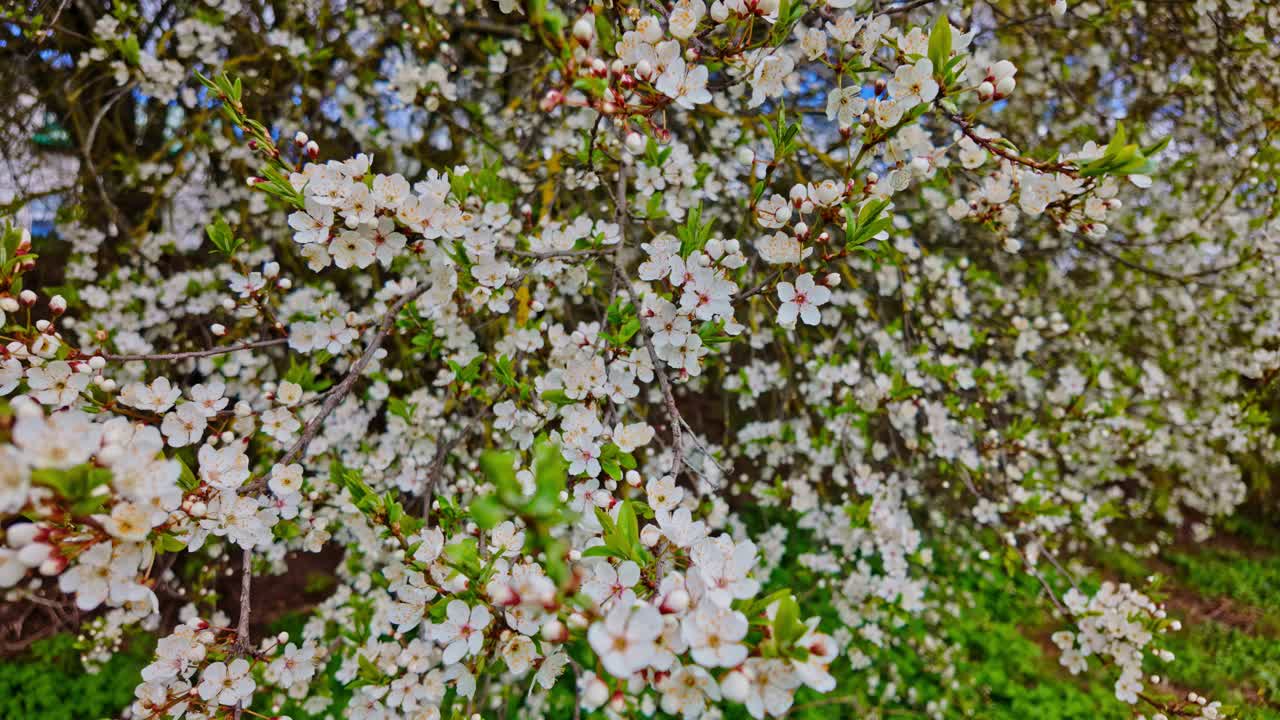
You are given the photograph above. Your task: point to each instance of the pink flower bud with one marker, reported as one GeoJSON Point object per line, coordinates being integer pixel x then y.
{"type": "Point", "coordinates": [584, 30]}
{"type": "Point", "coordinates": [551, 100]}
{"type": "Point", "coordinates": [676, 601]}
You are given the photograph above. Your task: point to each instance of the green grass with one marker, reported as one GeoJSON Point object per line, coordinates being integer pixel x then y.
{"type": "Point", "coordinates": [1215, 573]}
{"type": "Point", "coordinates": [1003, 667]}
{"type": "Point", "coordinates": [49, 683]}
{"type": "Point", "coordinates": [1228, 664]}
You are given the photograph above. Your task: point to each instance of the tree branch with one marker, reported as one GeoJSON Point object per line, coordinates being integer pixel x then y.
{"type": "Point", "coordinates": [198, 353]}
{"type": "Point", "coordinates": [669, 400]}
{"type": "Point", "coordinates": [343, 388]}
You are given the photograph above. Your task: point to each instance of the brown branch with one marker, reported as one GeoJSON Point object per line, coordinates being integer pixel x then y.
{"type": "Point", "coordinates": [343, 388]}
{"type": "Point", "coordinates": [242, 645]}
{"type": "Point", "coordinates": [1155, 272]}
{"type": "Point", "coordinates": [198, 353]}
{"type": "Point", "coordinates": [762, 287]}
{"type": "Point", "coordinates": [993, 147]}
{"type": "Point", "coordinates": [906, 8]}
{"type": "Point", "coordinates": [242, 623]}
{"type": "Point", "coordinates": [553, 254]}
{"type": "Point", "coordinates": [87, 151]}
{"type": "Point", "coordinates": [443, 448]}
{"type": "Point", "coordinates": [669, 400]}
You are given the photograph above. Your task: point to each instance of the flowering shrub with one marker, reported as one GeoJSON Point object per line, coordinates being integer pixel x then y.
{"type": "Point", "coordinates": [574, 328]}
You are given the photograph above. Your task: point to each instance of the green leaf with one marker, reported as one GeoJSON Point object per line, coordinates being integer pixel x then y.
{"type": "Point", "coordinates": [487, 511]}
{"type": "Point", "coordinates": [464, 556]}
{"type": "Point", "coordinates": [401, 409]}
{"type": "Point", "coordinates": [787, 627]}
{"type": "Point", "coordinates": [606, 522]}
{"type": "Point", "coordinates": [557, 397]}
{"type": "Point", "coordinates": [628, 527]}
{"type": "Point", "coordinates": [186, 478]}
{"type": "Point", "coordinates": [221, 236]}
{"type": "Point", "coordinates": [168, 543]}
{"type": "Point", "coordinates": [940, 43]}
{"type": "Point", "coordinates": [611, 468]}
{"type": "Point", "coordinates": [76, 484]}
{"type": "Point", "coordinates": [605, 32]}
{"type": "Point", "coordinates": [605, 551]}
{"type": "Point", "coordinates": [498, 467]}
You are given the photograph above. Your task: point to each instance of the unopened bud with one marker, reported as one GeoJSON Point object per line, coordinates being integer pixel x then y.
{"type": "Point", "coordinates": [555, 631]}
{"type": "Point", "coordinates": [53, 566]}
{"type": "Point", "coordinates": [677, 601]}
{"type": "Point", "coordinates": [650, 535]}
{"type": "Point", "coordinates": [552, 99]}
{"type": "Point", "coordinates": [584, 30]}
{"type": "Point", "coordinates": [595, 694]}
{"type": "Point", "coordinates": [504, 596]}
{"type": "Point", "coordinates": [735, 686]}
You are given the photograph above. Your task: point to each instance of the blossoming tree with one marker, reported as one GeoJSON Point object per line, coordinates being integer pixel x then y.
{"type": "Point", "coordinates": [632, 357]}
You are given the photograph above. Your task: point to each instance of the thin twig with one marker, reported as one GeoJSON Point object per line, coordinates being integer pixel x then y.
{"type": "Point", "coordinates": [553, 254]}
{"type": "Point", "coordinates": [198, 353]}
{"type": "Point", "coordinates": [443, 448]}
{"type": "Point", "coordinates": [242, 644]}
{"type": "Point", "coordinates": [706, 452]}
{"type": "Point", "coordinates": [673, 413]}
{"type": "Point", "coordinates": [994, 147]}
{"type": "Point", "coordinates": [762, 287]}
{"type": "Point", "coordinates": [87, 151]}
{"type": "Point", "coordinates": [343, 388]}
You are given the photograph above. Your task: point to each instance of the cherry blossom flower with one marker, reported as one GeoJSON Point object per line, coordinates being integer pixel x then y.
{"type": "Point", "coordinates": [227, 684]}
{"type": "Point", "coordinates": [462, 632]}
{"type": "Point", "coordinates": [803, 300]}
{"type": "Point", "coordinates": [624, 640]}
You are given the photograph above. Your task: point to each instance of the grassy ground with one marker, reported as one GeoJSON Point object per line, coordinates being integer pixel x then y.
{"type": "Point", "coordinates": [1227, 593]}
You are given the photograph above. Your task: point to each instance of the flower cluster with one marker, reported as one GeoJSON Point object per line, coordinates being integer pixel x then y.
{"type": "Point", "coordinates": [625, 358]}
